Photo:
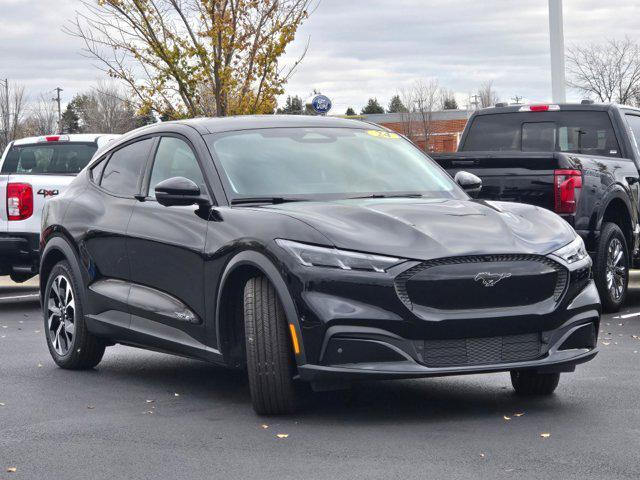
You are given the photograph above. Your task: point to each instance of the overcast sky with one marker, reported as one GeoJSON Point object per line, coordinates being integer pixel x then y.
{"type": "Point", "coordinates": [358, 48]}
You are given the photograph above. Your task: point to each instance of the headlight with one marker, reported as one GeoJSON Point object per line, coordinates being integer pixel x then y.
{"type": "Point", "coordinates": [573, 252]}
{"type": "Point", "coordinates": [311, 255]}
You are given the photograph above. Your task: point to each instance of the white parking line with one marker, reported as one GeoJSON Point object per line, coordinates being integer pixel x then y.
{"type": "Point", "coordinates": [629, 315]}
{"type": "Point", "coordinates": [21, 297]}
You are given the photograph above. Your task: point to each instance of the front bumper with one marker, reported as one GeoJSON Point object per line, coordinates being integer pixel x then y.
{"type": "Point", "coordinates": [347, 340]}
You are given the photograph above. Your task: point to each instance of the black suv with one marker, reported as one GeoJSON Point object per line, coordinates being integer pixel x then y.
{"type": "Point", "coordinates": [309, 248]}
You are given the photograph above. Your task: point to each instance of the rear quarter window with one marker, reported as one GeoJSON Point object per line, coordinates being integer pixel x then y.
{"type": "Point", "coordinates": [48, 158]}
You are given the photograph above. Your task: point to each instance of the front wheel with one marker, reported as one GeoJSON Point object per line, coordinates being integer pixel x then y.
{"type": "Point", "coordinates": [611, 267]}
{"type": "Point", "coordinates": [532, 383]}
{"type": "Point", "coordinates": [270, 364]}
{"type": "Point", "coordinates": [70, 343]}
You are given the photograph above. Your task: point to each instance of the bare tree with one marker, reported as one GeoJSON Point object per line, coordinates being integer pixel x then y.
{"type": "Point", "coordinates": [609, 71]}
{"type": "Point", "coordinates": [487, 96]}
{"type": "Point", "coordinates": [42, 118]}
{"type": "Point", "coordinates": [106, 109]}
{"type": "Point", "coordinates": [407, 95]}
{"type": "Point", "coordinates": [12, 106]}
{"type": "Point", "coordinates": [427, 100]}
{"type": "Point", "coordinates": [194, 57]}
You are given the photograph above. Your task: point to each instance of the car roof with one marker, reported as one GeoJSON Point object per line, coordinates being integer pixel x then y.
{"type": "Point", "coordinates": [598, 107]}
{"type": "Point", "coordinates": [99, 138]}
{"type": "Point", "coordinates": [249, 122]}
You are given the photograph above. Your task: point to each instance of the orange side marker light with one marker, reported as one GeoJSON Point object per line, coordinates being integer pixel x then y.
{"type": "Point", "coordinates": [294, 339]}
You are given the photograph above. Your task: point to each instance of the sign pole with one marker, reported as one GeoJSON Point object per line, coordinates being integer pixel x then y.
{"type": "Point", "coordinates": [556, 39]}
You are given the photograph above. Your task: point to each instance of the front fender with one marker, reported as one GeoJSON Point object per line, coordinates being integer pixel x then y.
{"type": "Point", "coordinates": [265, 265]}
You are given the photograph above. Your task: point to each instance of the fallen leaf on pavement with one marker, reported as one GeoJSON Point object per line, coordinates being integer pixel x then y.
{"type": "Point", "coordinates": [149, 401]}
{"type": "Point", "coordinates": [482, 455]}
{"type": "Point", "coordinates": [545, 435]}
{"type": "Point", "coordinates": [176, 394]}
{"type": "Point", "coordinates": [506, 418]}
{"type": "Point", "coordinates": [91, 407]}
{"type": "Point", "coordinates": [12, 469]}
{"type": "Point", "coordinates": [264, 425]}
{"type": "Point", "coordinates": [519, 414]}
{"type": "Point", "coordinates": [40, 365]}
{"type": "Point", "coordinates": [148, 412]}
{"type": "Point", "coordinates": [605, 343]}
{"type": "Point", "coordinates": [282, 435]}
{"type": "Point", "coordinates": [1, 404]}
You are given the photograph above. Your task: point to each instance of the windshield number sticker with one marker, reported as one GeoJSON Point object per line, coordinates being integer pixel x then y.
{"type": "Point", "coordinates": [382, 134]}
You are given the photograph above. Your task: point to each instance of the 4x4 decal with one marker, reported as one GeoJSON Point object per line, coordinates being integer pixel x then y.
{"type": "Point", "coordinates": [48, 193]}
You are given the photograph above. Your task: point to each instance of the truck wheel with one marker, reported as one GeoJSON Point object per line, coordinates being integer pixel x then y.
{"type": "Point", "coordinates": [269, 354]}
{"type": "Point", "coordinates": [611, 267]}
{"type": "Point", "coordinates": [532, 383]}
{"type": "Point", "coordinates": [70, 343]}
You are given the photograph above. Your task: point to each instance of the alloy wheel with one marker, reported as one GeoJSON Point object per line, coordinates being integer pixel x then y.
{"type": "Point", "coordinates": [61, 315]}
{"type": "Point", "coordinates": [616, 269]}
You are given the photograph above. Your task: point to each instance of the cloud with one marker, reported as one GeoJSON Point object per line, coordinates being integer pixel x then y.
{"type": "Point", "coordinates": [358, 48]}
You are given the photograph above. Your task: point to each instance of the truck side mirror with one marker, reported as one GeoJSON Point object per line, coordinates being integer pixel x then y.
{"type": "Point", "coordinates": [470, 183]}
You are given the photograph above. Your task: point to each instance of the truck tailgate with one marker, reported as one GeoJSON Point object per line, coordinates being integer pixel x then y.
{"type": "Point", "coordinates": [515, 177]}
{"type": "Point", "coordinates": [44, 188]}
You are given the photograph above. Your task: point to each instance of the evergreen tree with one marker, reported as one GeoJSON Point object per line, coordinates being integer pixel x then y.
{"type": "Point", "coordinates": [350, 112]}
{"type": "Point", "coordinates": [449, 104]}
{"type": "Point", "coordinates": [292, 106]}
{"type": "Point", "coordinates": [396, 105]}
{"type": "Point", "coordinates": [70, 122]}
{"type": "Point", "coordinates": [372, 107]}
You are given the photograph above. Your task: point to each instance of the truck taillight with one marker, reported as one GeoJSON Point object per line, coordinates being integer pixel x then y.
{"type": "Point", "coordinates": [567, 185]}
{"type": "Point", "coordinates": [19, 201]}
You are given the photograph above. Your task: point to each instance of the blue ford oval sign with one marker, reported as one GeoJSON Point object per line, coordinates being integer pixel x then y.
{"type": "Point", "coordinates": [321, 104]}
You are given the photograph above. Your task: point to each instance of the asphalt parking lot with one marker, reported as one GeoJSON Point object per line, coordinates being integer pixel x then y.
{"type": "Point", "coordinates": [143, 415]}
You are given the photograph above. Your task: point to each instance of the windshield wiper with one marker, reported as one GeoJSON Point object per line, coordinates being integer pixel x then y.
{"type": "Point", "coordinates": [271, 200]}
{"type": "Point", "coordinates": [396, 195]}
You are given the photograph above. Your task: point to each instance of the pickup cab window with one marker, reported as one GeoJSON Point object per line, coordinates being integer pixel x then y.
{"type": "Point", "coordinates": [634, 124]}
{"type": "Point", "coordinates": [589, 133]}
{"type": "Point", "coordinates": [48, 158]}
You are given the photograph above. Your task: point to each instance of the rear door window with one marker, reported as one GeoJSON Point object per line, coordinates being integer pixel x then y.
{"type": "Point", "coordinates": [48, 158]}
{"type": "Point", "coordinates": [587, 132]}
{"type": "Point", "coordinates": [124, 168]}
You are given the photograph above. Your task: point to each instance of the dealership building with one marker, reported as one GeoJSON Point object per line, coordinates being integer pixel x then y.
{"type": "Point", "coordinates": [444, 127]}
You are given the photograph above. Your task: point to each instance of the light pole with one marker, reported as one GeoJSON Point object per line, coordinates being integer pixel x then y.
{"type": "Point", "coordinates": [57, 99]}
{"type": "Point", "coordinates": [7, 113]}
{"type": "Point", "coordinates": [556, 39]}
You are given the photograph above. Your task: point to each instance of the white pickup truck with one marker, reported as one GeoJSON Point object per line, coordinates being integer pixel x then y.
{"type": "Point", "coordinates": [33, 170]}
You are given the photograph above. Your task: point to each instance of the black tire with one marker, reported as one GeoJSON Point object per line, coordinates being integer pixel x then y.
{"type": "Point", "coordinates": [604, 270]}
{"type": "Point", "coordinates": [270, 363]}
{"type": "Point", "coordinates": [531, 383]}
{"type": "Point", "coordinates": [83, 350]}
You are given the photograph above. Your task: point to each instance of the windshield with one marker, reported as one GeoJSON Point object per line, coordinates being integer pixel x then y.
{"type": "Point", "coordinates": [326, 162]}
{"type": "Point", "coordinates": [586, 132]}
{"type": "Point", "coordinates": [48, 158]}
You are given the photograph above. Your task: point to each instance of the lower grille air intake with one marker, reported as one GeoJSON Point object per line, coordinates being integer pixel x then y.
{"type": "Point", "coordinates": [479, 351]}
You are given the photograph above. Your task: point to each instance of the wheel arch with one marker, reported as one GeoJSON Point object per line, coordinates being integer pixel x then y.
{"type": "Point", "coordinates": [617, 209]}
{"type": "Point", "coordinates": [238, 270]}
{"type": "Point", "coordinates": [56, 249]}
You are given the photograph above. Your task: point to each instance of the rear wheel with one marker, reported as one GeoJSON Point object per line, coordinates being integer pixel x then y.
{"type": "Point", "coordinates": [70, 343]}
{"type": "Point", "coordinates": [532, 383]}
{"type": "Point", "coordinates": [611, 267]}
{"type": "Point", "coordinates": [270, 362]}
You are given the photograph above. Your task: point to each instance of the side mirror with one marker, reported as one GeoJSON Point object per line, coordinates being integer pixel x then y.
{"type": "Point", "coordinates": [469, 182]}
{"type": "Point", "coordinates": [179, 191]}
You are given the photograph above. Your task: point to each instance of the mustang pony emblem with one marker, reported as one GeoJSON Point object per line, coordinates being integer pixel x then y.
{"type": "Point", "coordinates": [490, 279]}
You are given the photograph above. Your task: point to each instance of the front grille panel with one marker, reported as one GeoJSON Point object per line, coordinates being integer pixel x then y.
{"type": "Point", "coordinates": [479, 351]}
{"type": "Point", "coordinates": [451, 283]}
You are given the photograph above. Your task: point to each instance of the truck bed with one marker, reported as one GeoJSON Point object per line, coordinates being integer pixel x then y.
{"type": "Point", "coordinates": [525, 177]}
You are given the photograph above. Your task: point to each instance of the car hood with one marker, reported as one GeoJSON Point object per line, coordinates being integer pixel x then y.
{"type": "Point", "coordinates": [424, 229]}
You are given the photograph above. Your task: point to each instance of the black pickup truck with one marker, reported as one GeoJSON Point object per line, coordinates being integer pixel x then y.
{"type": "Point", "coordinates": [580, 161]}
